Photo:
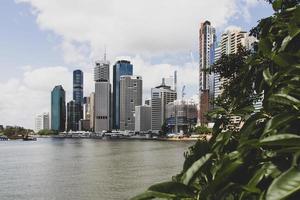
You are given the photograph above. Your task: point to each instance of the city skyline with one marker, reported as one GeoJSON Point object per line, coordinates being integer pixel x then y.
{"type": "Point", "coordinates": [29, 77]}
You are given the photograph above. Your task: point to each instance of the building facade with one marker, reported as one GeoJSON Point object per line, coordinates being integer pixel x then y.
{"type": "Point", "coordinates": [77, 108]}
{"type": "Point", "coordinates": [131, 95]}
{"type": "Point", "coordinates": [72, 110]}
{"type": "Point", "coordinates": [121, 68]}
{"type": "Point", "coordinates": [207, 42]}
{"type": "Point", "coordinates": [160, 97]}
{"type": "Point", "coordinates": [181, 116]}
{"type": "Point", "coordinates": [92, 111]}
{"type": "Point", "coordinates": [231, 40]}
{"type": "Point", "coordinates": [42, 122]}
{"type": "Point", "coordinates": [58, 109]}
{"type": "Point", "coordinates": [102, 97]}
{"type": "Point", "coordinates": [143, 118]}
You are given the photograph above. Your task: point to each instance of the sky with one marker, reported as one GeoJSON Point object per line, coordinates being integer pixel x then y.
{"type": "Point", "coordinates": [43, 41]}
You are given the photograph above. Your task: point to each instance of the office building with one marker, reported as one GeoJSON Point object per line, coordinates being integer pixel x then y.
{"type": "Point", "coordinates": [160, 97]}
{"type": "Point", "coordinates": [42, 122]}
{"type": "Point", "coordinates": [148, 102]}
{"type": "Point", "coordinates": [77, 111]}
{"type": "Point", "coordinates": [102, 97]}
{"type": "Point", "coordinates": [181, 116]}
{"type": "Point", "coordinates": [143, 118]}
{"type": "Point", "coordinates": [84, 125]}
{"type": "Point", "coordinates": [86, 108]}
{"type": "Point", "coordinates": [72, 123]}
{"type": "Point", "coordinates": [92, 111]}
{"type": "Point", "coordinates": [131, 95]}
{"type": "Point", "coordinates": [207, 42]}
{"type": "Point", "coordinates": [58, 109]}
{"type": "Point", "coordinates": [78, 86]}
{"type": "Point", "coordinates": [121, 68]}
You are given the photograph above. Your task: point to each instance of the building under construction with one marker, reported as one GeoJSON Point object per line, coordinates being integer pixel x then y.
{"type": "Point", "coordinates": [181, 116]}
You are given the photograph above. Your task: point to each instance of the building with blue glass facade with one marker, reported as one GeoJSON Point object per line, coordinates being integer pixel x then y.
{"type": "Point", "coordinates": [78, 86]}
{"type": "Point", "coordinates": [121, 68]}
{"type": "Point", "coordinates": [75, 107]}
{"type": "Point", "coordinates": [58, 109]}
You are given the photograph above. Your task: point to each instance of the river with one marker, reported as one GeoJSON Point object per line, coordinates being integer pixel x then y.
{"type": "Point", "coordinates": [85, 169]}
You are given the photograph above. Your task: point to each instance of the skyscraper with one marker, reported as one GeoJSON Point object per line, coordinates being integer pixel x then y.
{"type": "Point", "coordinates": [217, 80]}
{"type": "Point", "coordinates": [121, 68]}
{"type": "Point", "coordinates": [42, 122]}
{"type": "Point", "coordinates": [231, 40]}
{"type": "Point", "coordinates": [92, 111]}
{"type": "Point", "coordinates": [131, 94]}
{"type": "Point", "coordinates": [78, 86]}
{"type": "Point", "coordinates": [207, 42]}
{"type": "Point", "coordinates": [142, 118]}
{"type": "Point", "coordinates": [58, 109]}
{"type": "Point", "coordinates": [71, 116]}
{"type": "Point", "coordinates": [74, 108]}
{"type": "Point", "coordinates": [102, 96]}
{"type": "Point", "coordinates": [160, 97]}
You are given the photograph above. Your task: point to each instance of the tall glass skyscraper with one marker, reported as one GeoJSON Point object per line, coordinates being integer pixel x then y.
{"type": "Point", "coordinates": [121, 68]}
{"type": "Point", "coordinates": [58, 109]}
{"type": "Point", "coordinates": [76, 109]}
{"type": "Point", "coordinates": [78, 86]}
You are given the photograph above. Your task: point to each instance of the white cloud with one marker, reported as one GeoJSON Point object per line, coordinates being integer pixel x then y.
{"type": "Point", "coordinates": [21, 99]}
{"type": "Point", "coordinates": [129, 27]}
{"type": "Point", "coordinates": [139, 28]}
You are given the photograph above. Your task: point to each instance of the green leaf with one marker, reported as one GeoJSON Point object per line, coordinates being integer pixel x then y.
{"type": "Point", "coordinates": [285, 185]}
{"type": "Point", "coordinates": [267, 76]}
{"type": "Point", "coordinates": [167, 190]}
{"type": "Point", "coordinates": [188, 176]}
{"type": "Point", "coordinates": [278, 121]}
{"type": "Point", "coordinates": [284, 99]}
{"type": "Point", "coordinates": [277, 5]}
{"type": "Point", "coordinates": [281, 139]}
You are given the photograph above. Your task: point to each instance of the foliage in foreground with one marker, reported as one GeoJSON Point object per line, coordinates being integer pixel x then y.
{"type": "Point", "coordinates": [202, 130]}
{"type": "Point", "coordinates": [262, 160]}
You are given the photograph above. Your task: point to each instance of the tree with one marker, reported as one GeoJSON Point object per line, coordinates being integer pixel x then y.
{"type": "Point", "coordinates": [261, 160]}
{"type": "Point", "coordinates": [202, 130]}
{"type": "Point", "coordinates": [164, 129]}
{"type": "Point", "coordinates": [47, 132]}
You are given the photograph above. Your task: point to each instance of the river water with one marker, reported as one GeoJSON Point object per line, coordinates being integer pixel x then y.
{"type": "Point", "coordinates": [79, 169]}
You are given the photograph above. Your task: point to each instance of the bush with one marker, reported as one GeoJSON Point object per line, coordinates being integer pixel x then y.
{"type": "Point", "coordinates": [260, 160]}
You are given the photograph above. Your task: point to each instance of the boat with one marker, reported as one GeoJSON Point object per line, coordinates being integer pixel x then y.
{"type": "Point", "coordinates": [29, 138]}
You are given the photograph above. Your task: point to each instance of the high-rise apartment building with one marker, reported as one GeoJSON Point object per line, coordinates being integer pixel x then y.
{"type": "Point", "coordinates": [217, 80]}
{"type": "Point", "coordinates": [58, 109]}
{"type": "Point", "coordinates": [207, 42]}
{"type": "Point", "coordinates": [102, 97]}
{"type": "Point", "coordinates": [131, 95]}
{"type": "Point", "coordinates": [42, 122]}
{"type": "Point", "coordinates": [231, 40]}
{"type": "Point", "coordinates": [160, 97]}
{"type": "Point", "coordinates": [121, 68]}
